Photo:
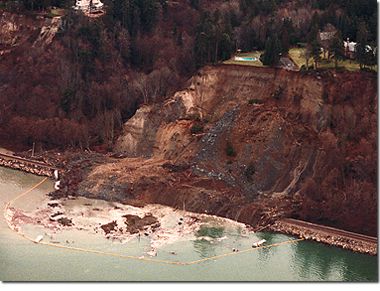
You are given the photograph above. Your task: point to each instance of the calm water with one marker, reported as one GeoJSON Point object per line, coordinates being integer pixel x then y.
{"type": "Point", "coordinates": [304, 261]}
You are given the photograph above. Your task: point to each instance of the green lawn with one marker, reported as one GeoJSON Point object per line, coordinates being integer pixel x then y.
{"type": "Point", "coordinates": [57, 12]}
{"type": "Point", "coordinates": [255, 54]}
{"type": "Point", "coordinates": [297, 55]}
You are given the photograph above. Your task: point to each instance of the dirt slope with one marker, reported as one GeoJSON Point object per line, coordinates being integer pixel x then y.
{"type": "Point", "coordinates": [253, 144]}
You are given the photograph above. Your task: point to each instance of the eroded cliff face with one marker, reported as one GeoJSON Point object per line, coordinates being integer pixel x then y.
{"type": "Point", "coordinates": [17, 30]}
{"type": "Point", "coordinates": [253, 144]}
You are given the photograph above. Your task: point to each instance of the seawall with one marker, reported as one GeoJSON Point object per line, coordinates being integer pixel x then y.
{"type": "Point", "coordinates": [327, 235]}
{"type": "Point", "coordinates": [28, 166]}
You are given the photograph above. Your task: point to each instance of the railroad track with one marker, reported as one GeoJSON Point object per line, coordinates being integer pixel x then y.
{"type": "Point", "coordinates": [28, 161]}
{"type": "Point", "coordinates": [331, 230]}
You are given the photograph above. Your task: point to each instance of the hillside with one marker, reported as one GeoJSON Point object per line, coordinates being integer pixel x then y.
{"type": "Point", "coordinates": [251, 144]}
{"type": "Point", "coordinates": [71, 81]}
{"type": "Point", "coordinates": [147, 114]}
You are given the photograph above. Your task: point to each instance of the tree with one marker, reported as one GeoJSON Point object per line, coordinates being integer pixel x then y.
{"type": "Point", "coordinates": [306, 53]}
{"type": "Point", "coordinates": [316, 53]}
{"type": "Point", "coordinates": [361, 39]}
{"type": "Point", "coordinates": [119, 11]}
{"type": "Point", "coordinates": [194, 4]}
{"type": "Point", "coordinates": [337, 48]}
{"type": "Point", "coordinates": [272, 51]}
{"type": "Point", "coordinates": [287, 35]}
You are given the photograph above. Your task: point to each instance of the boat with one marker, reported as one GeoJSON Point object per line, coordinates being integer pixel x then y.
{"type": "Point", "coordinates": [258, 243]}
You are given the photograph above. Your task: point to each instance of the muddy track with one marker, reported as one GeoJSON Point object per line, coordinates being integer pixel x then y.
{"type": "Point", "coordinates": [331, 230]}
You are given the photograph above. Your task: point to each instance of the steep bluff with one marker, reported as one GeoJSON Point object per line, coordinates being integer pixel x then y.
{"type": "Point", "coordinates": [253, 144]}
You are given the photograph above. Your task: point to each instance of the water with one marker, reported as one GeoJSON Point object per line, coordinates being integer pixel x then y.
{"type": "Point", "coordinates": [22, 260]}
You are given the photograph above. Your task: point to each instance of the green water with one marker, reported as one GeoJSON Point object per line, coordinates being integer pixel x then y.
{"type": "Point", "coordinates": [22, 260]}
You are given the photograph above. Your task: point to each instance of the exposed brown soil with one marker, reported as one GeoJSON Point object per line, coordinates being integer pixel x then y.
{"type": "Point", "coordinates": [136, 224]}
{"type": "Point", "coordinates": [65, 221]}
{"type": "Point", "coordinates": [306, 150]}
{"type": "Point", "coordinates": [109, 227]}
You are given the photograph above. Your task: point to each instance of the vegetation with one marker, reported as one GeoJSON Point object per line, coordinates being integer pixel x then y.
{"type": "Point", "coordinates": [196, 128]}
{"type": "Point", "coordinates": [97, 72]}
{"type": "Point", "coordinates": [272, 51]}
{"type": "Point", "coordinates": [298, 56]}
{"type": "Point", "coordinates": [230, 151]}
{"type": "Point", "coordinates": [277, 93]}
{"type": "Point", "coordinates": [255, 101]}
{"type": "Point", "coordinates": [337, 48]}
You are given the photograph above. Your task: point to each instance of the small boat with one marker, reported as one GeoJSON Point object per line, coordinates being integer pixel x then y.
{"type": "Point", "coordinates": [39, 239]}
{"type": "Point", "coordinates": [259, 243]}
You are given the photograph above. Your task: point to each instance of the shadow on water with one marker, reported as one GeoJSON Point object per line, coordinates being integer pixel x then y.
{"type": "Point", "coordinates": [316, 261]}
{"type": "Point", "coordinates": [266, 253]}
{"type": "Point", "coordinates": [205, 245]}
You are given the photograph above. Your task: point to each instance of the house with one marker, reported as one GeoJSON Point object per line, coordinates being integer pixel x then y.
{"type": "Point", "coordinates": [89, 6]}
{"type": "Point", "coordinates": [349, 48]}
{"type": "Point", "coordinates": [326, 37]}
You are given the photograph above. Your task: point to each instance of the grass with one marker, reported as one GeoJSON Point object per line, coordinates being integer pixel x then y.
{"type": "Point", "coordinates": [297, 56]}
{"type": "Point", "coordinates": [57, 12]}
{"type": "Point", "coordinates": [254, 54]}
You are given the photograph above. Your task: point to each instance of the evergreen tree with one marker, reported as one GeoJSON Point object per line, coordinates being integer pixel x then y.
{"type": "Point", "coordinates": [337, 48]}
{"type": "Point", "coordinates": [272, 51]}
{"type": "Point", "coordinates": [119, 11]}
{"type": "Point", "coordinates": [362, 40]}
{"type": "Point", "coordinates": [306, 53]}
{"type": "Point", "coordinates": [316, 52]}
{"type": "Point", "coordinates": [194, 4]}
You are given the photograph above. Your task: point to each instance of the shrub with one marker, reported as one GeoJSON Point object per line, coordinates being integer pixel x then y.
{"type": "Point", "coordinates": [255, 101]}
{"type": "Point", "coordinates": [277, 93]}
{"type": "Point", "coordinates": [230, 151]}
{"type": "Point", "coordinates": [196, 128]}
{"type": "Point", "coordinates": [249, 171]}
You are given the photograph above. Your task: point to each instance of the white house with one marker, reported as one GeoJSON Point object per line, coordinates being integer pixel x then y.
{"type": "Point", "coordinates": [88, 5]}
{"type": "Point", "coordinates": [349, 48]}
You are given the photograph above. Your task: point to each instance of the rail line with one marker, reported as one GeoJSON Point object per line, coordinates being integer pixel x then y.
{"type": "Point", "coordinates": [332, 230]}
{"type": "Point", "coordinates": [122, 256]}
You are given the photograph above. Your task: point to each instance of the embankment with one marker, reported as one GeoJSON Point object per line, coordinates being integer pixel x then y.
{"type": "Point", "coordinates": [251, 144]}
{"type": "Point", "coordinates": [25, 165]}
{"type": "Point", "coordinates": [328, 235]}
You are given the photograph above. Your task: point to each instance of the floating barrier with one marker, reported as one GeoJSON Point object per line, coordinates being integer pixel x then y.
{"type": "Point", "coordinates": [121, 256]}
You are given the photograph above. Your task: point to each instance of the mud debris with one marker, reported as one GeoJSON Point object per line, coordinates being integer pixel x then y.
{"type": "Point", "coordinates": [65, 221]}
{"type": "Point", "coordinates": [135, 224]}
{"type": "Point", "coordinates": [109, 227]}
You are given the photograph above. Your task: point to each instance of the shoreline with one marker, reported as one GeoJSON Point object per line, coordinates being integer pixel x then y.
{"type": "Point", "coordinates": [280, 226]}
{"type": "Point", "coordinates": [326, 235]}
{"type": "Point", "coordinates": [28, 166]}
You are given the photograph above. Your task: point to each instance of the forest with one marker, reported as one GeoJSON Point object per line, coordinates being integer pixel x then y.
{"type": "Point", "coordinates": [78, 91]}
